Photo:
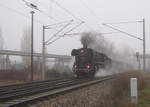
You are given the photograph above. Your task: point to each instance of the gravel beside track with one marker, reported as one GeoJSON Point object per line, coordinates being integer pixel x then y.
{"type": "Point", "coordinates": [18, 95]}
{"type": "Point", "coordinates": [92, 96]}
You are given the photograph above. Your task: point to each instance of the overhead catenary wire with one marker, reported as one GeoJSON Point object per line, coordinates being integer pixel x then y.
{"type": "Point", "coordinates": [48, 15]}
{"type": "Point", "coordinates": [53, 41]}
{"type": "Point", "coordinates": [13, 10]}
{"type": "Point", "coordinates": [124, 22]}
{"type": "Point", "coordinates": [76, 34]}
{"type": "Point", "coordinates": [60, 30]}
{"type": "Point", "coordinates": [122, 31]}
{"type": "Point", "coordinates": [70, 13]}
{"type": "Point", "coordinates": [74, 27]}
{"type": "Point", "coordinates": [51, 7]}
{"type": "Point", "coordinates": [90, 10]}
{"type": "Point", "coordinates": [36, 8]}
{"type": "Point", "coordinates": [19, 13]}
{"type": "Point", "coordinates": [65, 33]}
{"type": "Point", "coordinates": [58, 24]}
{"type": "Point", "coordinates": [62, 7]}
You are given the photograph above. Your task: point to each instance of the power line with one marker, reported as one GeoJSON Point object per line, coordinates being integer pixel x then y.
{"type": "Point", "coordinates": [90, 10]}
{"type": "Point", "coordinates": [65, 33]}
{"type": "Point", "coordinates": [58, 24]}
{"type": "Point", "coordinates": [122, 31]}
{"type": "Point", "coordinates": [59, 31]}
{"type": "Point", "coordinates": [74, 27]}
{"type": "Point", "coordinates": [19, 13]}
{"type": "Point", "coordinates": [109, 33]}
{"type": "Point", "coordinates": [76, 34]}
{"type": "Point", "coordinates": [36, 8]}
{"type": "Point", "coordinates": [13, 10]}
{"type": "Point", "coordinates": [59, 5]}
{"type": "Point", "coordinates": [66, 10]}
{"type": "Point", "coordinates": [48, 16]}
{"type": "Point", "coordinates": [124, 22]}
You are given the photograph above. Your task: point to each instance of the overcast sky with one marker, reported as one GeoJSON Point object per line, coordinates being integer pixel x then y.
{"type": "Point", "coordinates": [15, 17]}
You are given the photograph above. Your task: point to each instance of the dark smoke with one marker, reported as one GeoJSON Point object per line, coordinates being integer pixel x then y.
{"type": "Point", "coordinates": [88, 38]}
{"type": "Point", "coordinates": [99, 43]}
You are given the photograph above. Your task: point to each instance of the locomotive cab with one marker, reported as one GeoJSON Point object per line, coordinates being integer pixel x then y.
{"type": "Point", "coordinates": [74, 52]}
{"type": "Point", "coordinates": [83, 65]}
{"type": "Point", "coordinates": [88, 61]}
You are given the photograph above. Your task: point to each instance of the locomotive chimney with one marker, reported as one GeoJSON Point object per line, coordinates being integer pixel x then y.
{"type": "Point", "coordinates": [84, 46]}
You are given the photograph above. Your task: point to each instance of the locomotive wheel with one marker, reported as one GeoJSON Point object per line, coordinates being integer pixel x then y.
{"type": "Point", "coordinates": [91, 74]}
{"type": "Point", "coordinates": [79, 75]}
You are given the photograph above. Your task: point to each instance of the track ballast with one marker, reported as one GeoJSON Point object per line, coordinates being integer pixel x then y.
{"type": "Point", "coordinates": [23, 94]}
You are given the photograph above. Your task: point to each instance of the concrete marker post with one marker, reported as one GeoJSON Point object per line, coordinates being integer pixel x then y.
{"type": "Point", "coordinates": [134, 90]}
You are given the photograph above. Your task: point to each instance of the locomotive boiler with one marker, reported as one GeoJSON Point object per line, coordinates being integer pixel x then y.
{"type": "Point", "coordinates": [88, 62]}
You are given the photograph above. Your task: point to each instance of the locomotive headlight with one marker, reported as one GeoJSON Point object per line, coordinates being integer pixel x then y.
{"type": "Point", "coordinates": [88, 66]}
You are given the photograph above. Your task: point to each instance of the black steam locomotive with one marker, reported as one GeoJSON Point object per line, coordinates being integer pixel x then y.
{"type": "Point", "coordinates": [88, 61]}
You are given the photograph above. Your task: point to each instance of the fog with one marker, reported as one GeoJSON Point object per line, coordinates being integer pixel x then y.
{"type": "Point", "coordinates": [121, 58]}
{"type": "Point", "coordinates": [93, 13]}
{"type": "Point", "coordinates": [15, 17]}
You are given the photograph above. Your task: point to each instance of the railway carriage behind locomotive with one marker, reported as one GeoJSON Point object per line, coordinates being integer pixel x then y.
{"type": "Point", "coordinates": [88, 61]}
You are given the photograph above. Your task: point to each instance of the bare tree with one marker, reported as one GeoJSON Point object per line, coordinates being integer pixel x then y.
{"type": "Point", "coordinates": [1, 40]}
{"type": "Point", "coordinates": [26, 45]}
{"type": "Point", "coordinates": [1, 48]}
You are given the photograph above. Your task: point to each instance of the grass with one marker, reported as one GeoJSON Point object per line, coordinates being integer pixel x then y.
{"type": "Point", "coordinates": [144, 93]}
{"type": "Point", "coordinates": [144, 98]}
{"type": "Point", "coordinates": [120, 95]}
{"type": "Point", "coordinates": [143, 87]}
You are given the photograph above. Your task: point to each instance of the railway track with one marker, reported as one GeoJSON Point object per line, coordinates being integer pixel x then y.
{"type": "Point", "coordinates": [23, 94]}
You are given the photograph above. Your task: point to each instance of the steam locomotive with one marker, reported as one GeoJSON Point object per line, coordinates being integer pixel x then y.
{"type": "Point", "coordinates": [88, 61]}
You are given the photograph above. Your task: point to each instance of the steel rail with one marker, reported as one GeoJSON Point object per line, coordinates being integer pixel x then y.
{"type": "Point", "coordinates": [23, 85]}
{"type": "Point", "coordinates": [29, 96]}
{"type": "Point", "coordinates": [36, 89]}
{"type": "Point", "coordinates": [31, 89]}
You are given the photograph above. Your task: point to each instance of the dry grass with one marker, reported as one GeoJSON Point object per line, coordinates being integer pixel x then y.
{"type": "Point", "coordinates": [121, 88]}
{"type": "Point", "coordinates": [10, 82]}
{"type": "Point", "coordinates": [12, 74]}
{"type": "Point", "coordinates": [53, 73]}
